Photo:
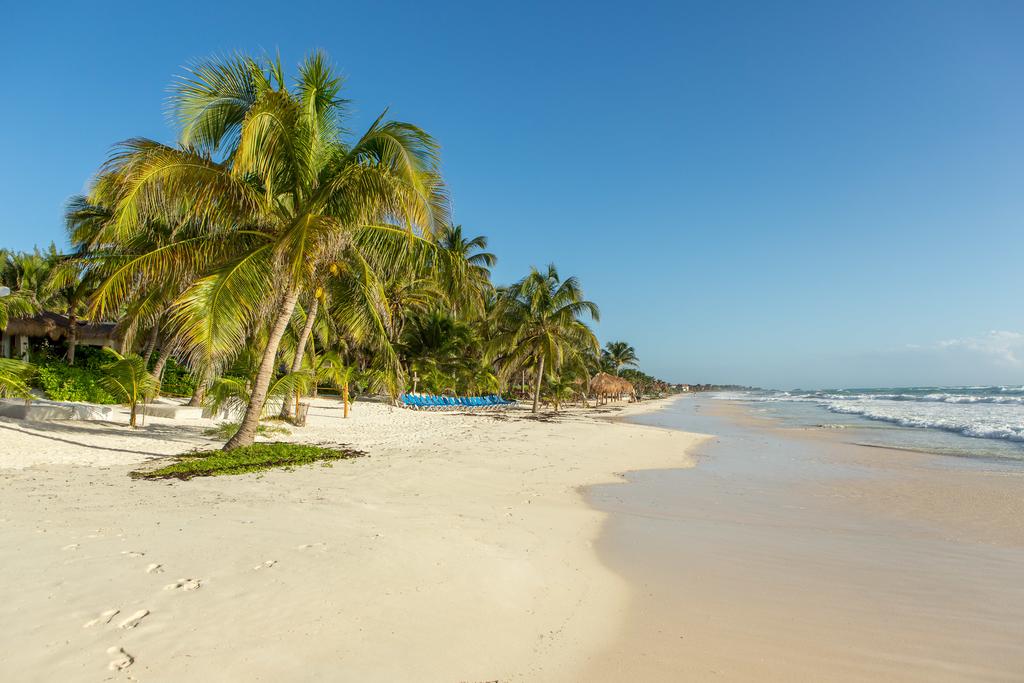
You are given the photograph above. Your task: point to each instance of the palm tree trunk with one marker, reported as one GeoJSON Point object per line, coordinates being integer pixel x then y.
{"type": "Point", "coordinates": [536, 388]}
{"type": "Point", "coordinates": [72, 337]}
{"type": "Point", "coordinates": [200, 391]}
{"type": "Point", "coordinates": [344, 398]}
{"type": "Point", "coordinates": [197, 396]}
{"type": "Point", "coordinates": [315, 390]}
{"type": "Point", "coordinates": [246, 433]}
{"type": "Point", "coordinates": [161, 363]}
{"type": "Point", "coordinates": [131, 418]}
{"type": "Point", "coordinates": [300, 350]}
{"type": "Point", "coordinates": [151, 343]}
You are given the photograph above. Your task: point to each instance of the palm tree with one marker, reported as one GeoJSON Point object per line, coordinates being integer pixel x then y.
{"type": "Point", "coordinates": [27, 274]}
{"type": "Point", "coordinates": [543, 317]}
{"type": "Point", "coordinates": [14, 376]}
{"type": "Point", "coordinates": [277, 195]}
{"type": "Point", "coordinates": [332, 370]}
{"type": "Point", "coordinates": [232, 394]}
{"type": "Point", "coordinates": [15, 304]}
{"type": "Point", "coordinates": [559, 390]}
{"type": "Point", "coordinates": [437, 341]}
{"type": "Point", "coordinates": [467, 272]}
{"type": "Point", "coordinates": [619, 354]}
{"type": "Point", "coordinates": [69, 285]}
{"type": "Point", "coordinates": [127, 379]}
{"type": "Point", "coordinates": [308, 321]}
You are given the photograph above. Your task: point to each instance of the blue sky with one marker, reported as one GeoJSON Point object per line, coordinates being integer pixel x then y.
{"type": "Point", "coordinates": [782, 194]}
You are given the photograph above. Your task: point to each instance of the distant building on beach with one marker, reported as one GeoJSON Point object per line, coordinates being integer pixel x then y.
{"type": "Point", "coordinates": [22, 334]}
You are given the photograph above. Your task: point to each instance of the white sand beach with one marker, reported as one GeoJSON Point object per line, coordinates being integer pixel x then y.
{"type": "Point", "coordinates": [460, 549]}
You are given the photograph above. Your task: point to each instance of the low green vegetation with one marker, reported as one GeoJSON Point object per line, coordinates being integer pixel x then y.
{"type": "Point", "coordinates": [177, 380]}
{"type": "Point", "coordinates": [79, 382]}
{"type": "Point", "coordinates": [253, 458]}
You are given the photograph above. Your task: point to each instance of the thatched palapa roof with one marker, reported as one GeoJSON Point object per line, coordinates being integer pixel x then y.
{"type": "Point", "coordinates": [603, 384]}
{"type": "Point", "coordinates": [56, 327]}
{"type": "Point", "coordinates": [610, 385]}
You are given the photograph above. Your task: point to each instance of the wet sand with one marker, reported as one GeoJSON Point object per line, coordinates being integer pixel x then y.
{"type": "Point", "coordinates": [797, 555]}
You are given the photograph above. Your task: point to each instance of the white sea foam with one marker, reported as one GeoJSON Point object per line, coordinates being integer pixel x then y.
{"type": "Point", "coordinates": [997, 422]}
{"type": "Point", "coordinates": [982, 412]}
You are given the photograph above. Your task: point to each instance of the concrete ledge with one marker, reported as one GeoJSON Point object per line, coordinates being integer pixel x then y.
{"type": "Point", "coordinates": [45, 411]}
{"type": "Point", "coordinates": [173, 411]}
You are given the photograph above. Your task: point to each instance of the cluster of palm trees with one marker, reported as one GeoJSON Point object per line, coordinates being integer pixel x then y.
{"type": "Point", "coordinates": [272, 253]}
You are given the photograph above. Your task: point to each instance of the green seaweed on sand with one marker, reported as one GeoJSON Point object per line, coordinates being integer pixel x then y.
{"type": "Point", "coordinates": [254, 458]}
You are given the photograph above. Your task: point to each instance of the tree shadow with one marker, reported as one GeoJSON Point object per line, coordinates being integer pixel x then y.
{"type": "Point", "coordinates": [59, 432]}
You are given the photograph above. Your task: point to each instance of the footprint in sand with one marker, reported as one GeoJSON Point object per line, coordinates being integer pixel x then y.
{"type": "Point", "coordinates": [133, 620]}
{"type": "Point", "coordinates": [121, 661]}
{"type": "Point", "coordinates": [70, 546]}
{"type": "Point", "coordinates": [103, 618]}
{"type": "Point", "coordinates": [266, 565]}
{"type": "Point", "coordinates": [184, 585]}
{"type": "Point", "coordinates": [155, 569]}
{"type": "Point", "coordinates": [319, 544]}
{"type": "Point", "coordinates": [133, 553]}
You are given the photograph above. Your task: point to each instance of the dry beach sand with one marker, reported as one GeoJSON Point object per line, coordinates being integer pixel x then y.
{"type": "Point", "coordinates": [459, 550]}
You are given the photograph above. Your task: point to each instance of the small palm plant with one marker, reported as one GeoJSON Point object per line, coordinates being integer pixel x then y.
{"type": "Point", "coordinates": [559, 390]}
{"type": "Point", "coordinates": [332, 370]}
{"type": "Point", "coordinates": [14, 376]}
{"type": "Point", "coordinates": [127, 379]}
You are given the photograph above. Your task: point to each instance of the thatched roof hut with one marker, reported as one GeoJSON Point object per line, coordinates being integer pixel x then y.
{"type": "Point", "coordinates": [604, 384]}
{"type": "Point", "coordinates": [625, 386]}
{"type": "Point", "coordinates": [56, 327]}
{"type": "Point", "coordinates": [42, 325]}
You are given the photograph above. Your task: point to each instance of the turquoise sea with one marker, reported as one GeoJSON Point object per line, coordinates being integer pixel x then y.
{"type": "Point", "coordinates": [970, 421]}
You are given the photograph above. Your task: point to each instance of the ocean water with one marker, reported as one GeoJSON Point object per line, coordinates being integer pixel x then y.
{"type": "Point", "coordinates": [986, 422]}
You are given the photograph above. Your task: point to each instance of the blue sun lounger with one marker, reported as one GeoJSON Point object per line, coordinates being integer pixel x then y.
{"type": "Point", "coordinates": [431, 402]}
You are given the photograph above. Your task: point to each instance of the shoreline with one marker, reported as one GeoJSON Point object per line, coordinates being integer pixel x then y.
{"type": "Point", "coordinates": [787, 553]}
{"type": "Point", "coordinates": [461, 549]}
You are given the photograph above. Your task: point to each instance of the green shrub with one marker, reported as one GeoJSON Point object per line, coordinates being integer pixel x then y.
{"type": "Point", "coordinates": [63, 382]}
{"type": "Point", "coordinates": [177, 380]}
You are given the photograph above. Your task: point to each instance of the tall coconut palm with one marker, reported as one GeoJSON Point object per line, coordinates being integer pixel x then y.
{"type": "Point", "coordinates": [27, 275]}
{"type": "Point", "coordinates": [69, 285]}
{"type": "Point", "coordinates": [466, 277]}
{"type": "Point", "coordinates": [278, 194]}
{"type": "Point", "coordinates": [619, 354]}
{"type": "Point", "coordinates": [436, 341]}
{"type": "Point", "coordinates": [544, 325]}
{"type": "Point", "coordinates": [308, 318]}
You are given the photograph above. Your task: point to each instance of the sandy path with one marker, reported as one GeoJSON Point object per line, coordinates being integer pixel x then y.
{"type": "Point", "coordinates": [460, 550]}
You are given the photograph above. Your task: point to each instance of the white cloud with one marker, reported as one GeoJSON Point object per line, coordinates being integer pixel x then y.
{"type": "Point", "coordinates": [1002, 346]}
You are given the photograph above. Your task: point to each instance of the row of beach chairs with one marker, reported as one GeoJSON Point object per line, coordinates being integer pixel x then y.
{"type": "Point", "coordinates": [431, 402]}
